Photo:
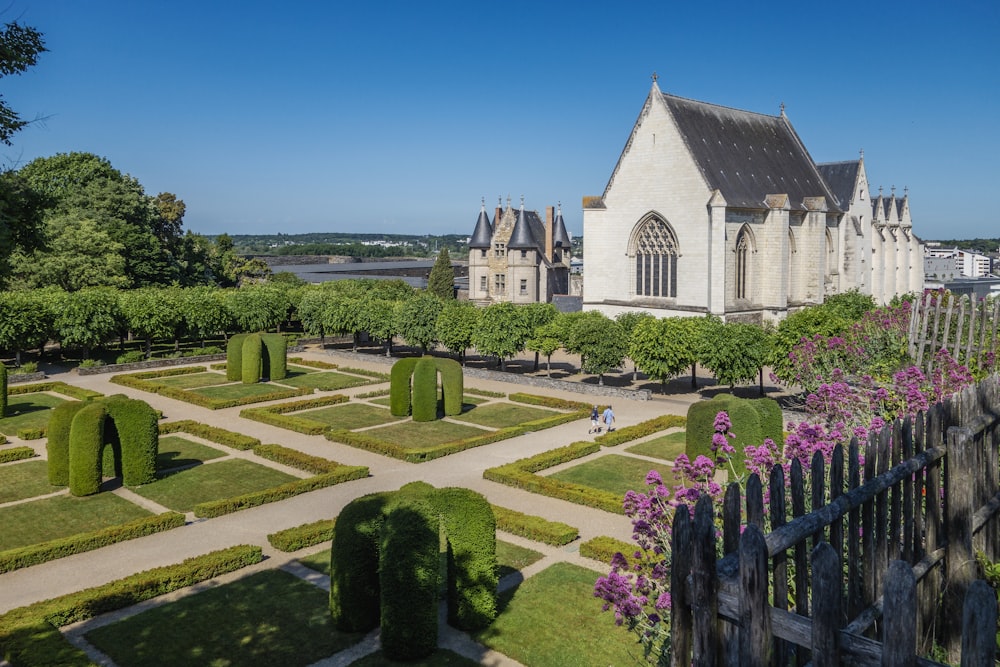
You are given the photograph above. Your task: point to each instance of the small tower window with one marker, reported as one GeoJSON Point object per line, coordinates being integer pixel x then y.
{"type": "Point", "coordinates": [524, 254]}
{"type": "Point", "coordinates": [482, 252]}
{"type": "Point", "coordinates": [500, 283]}
{"type": "Point", "coordinates": [482, 281]}
{"type": "Point", "coordinates": [524, 287]}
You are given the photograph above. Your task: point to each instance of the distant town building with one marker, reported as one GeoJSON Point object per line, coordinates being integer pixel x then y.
{"type": "Point", "coordinates": [968, 264]}
{"type": "Point", "coordinates": [518, 257]}
{"type": "Point", "coordinates": [718, 210]}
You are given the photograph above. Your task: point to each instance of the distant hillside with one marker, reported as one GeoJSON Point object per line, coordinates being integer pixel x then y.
{"type": "Point", "coordinates": [350, 244]}
{"type": "Point", "coordinates": [982, 246]}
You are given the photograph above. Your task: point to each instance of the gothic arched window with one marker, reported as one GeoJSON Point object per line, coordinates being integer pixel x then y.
{"type": "Point", "coordinates": [655, 260]}
{"type": "Point", "coordinates": [743, 250]}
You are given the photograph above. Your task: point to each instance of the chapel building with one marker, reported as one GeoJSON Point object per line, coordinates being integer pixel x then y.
{"type": "Point", "coordinates": [518, 257]}
{"type": "Point", "coordinates": [722, 211]}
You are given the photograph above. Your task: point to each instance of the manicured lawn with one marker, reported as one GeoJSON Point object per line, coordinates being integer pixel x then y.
{"type": "Point", "coordinates": [182, 490]}
{"type": "Point", "coordinates": [553, 620]}
{"type": "Point", "coordinates": [61, 516]}
{"type": "Point", "coordinates": [614, 473]}
{"type": "Point", "coordinates": [415, 436]}
{"type": "Point", "coordinates": [175, 451]}
{"type": "Point", "coordinates": [666, 447]}
{"type": "Point", "coordinates": [512, 558]}
{"type": "Point", "coordinates": [468, 402]}
{"type": "Point", "coordinates": [319, 561]}
{"type": "Point", "coordinates": [349, 416]}
{"type": "Point", "coordinates": [25, 479]}
{"type": "Point", "coordinates": [28, 411]}
{"type": "Point", "coordinates": [269, 618]}
{"type": "Point", "coordinates": [238, 390]}
{"type": "Point", "coordinates": [500, 415]}
{"type": "Point", "coordinates": [193, 381]}
{"type": "Point", "coordinates": [326, 381]}
{"type": "Point", "coordinates": [439, 658]}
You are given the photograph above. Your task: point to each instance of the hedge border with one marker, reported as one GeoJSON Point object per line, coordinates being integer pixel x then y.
{"type": "Point", "coordinates": [235, 504]}
{"type": "Point", "coordinates": [215, 434]}
{"type": "Point", "coordinates": [378, 393]}
{"type": "Point", "coordinates": [276, 415]}
{"type": "Point", "coordinates": [135, 382]}
{"type": "Point", "coordinates": [29, 635]}
{"type": "Point", "coordinates": [641, 430]}
{"type": "Point", "coordinates": [14, 559]}
{"type": "Point", "coordinates": [533, 527]}
{"type": "Point", "coordinates": [56, 386]}
{"type": "Point", "coordinates": [296, 459]}
{"type": "Point", "coordinates": [300, 537]}
{"type": "Point", "coordinates": [603, 548]}
{"type": "Point", "coordinates": [485, 392]}
{"type": "Point", "coordinates": [16, 454]}
{"type": "Point", "coordinates": [312, 363]}
{"type": "Point", "coordinates": [382, 377]}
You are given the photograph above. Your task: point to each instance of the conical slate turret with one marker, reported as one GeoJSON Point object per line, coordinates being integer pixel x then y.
{"type": "Point", "coordinates": [520, 236]}
{"type": "Point", "coordinates": [560, 237]}
{"type": "Point", "coordinates": [482, 237]}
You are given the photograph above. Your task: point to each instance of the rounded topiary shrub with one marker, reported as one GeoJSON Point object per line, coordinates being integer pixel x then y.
{"type": "Point", "coordinates": [86, 439]}
{"type": "Point", "coordinates": [453, 384]}
{"type": "Point", "coordinates": [3, 390]}
{"type": "Point", "coordinates": [399, 386]}
{"type": "Point", "coordinates": [251, 359]}
{"type": "Point", "coordinates": [425, 398]}
{"type": "Point", "coordinates": [408, 573]}
{"type": "Point", "coordinates": [57, 446]}
{"type": "Point", "coordinates": [138, 437]}
{"type": "Point", "coordinates": [234, 357]}
{"type": "Point", "coordinates": [752, 421]}
{"type": "Point", "coordinates": [274, 352]}
{"type": "Point", "coordinates": [354, 578]}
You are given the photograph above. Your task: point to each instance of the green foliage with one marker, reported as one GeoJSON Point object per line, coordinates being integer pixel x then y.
{"type": "Point", "coordinates": [752, 421]}
{"type": "Point", "coordinates": [399, 386]}
{"type": "Point", "coordinates": [502, 331]}
{"type": "Point", "coordinates": [252, 359]}
{"type": "Point", "coordinates": [138, 435]}
{"type": "Point", "coordinates": [204, 311]}
{"type": "Point", "coordinates": [600, 342]}
{"type": "Point", "coordinates": [86, 439]}
{"type": "Point", "coordinates": [131, 357]}
{"type": "Point", "coordinates": [452, 385]}
{"type": "Point", "coordinates": [20, 46]}
{"type": "Point", "coordinates": [663, 349]}
{"type": "Point", "coordinates": [258, 307]}
{"type": "Point", "coordinates": [296, 459]}
{"type": "Point", "coordinates": [276, 415]}
{"type": "Point", "coordinates": [300, 537]}
{"type": "Point", "coordinates": [16, 453]}
{"type": "Point", "coordinates": [275, 351]}
{"type": "Point", "coordinates": [548, 402]}
{"type": "Point", "coordinates": [604, 548]}
{"type": "Point", "coordinates": [642, 429]}
{"type": "Point", "coordinates": [408, 577]}
{"type": "Point", "coordinates": [417, 319]}
{"type": "Point", "coordinates": [806, 323]}
{"type": "Point", "coordinates": [216, 508]}
{"type": "Point", "coordinates": [534, 527]}
{"type": "Point", "coordinates": [456, 325]}
{"type": "Point", "coordinates": [425, 390]}
{"type": "Point", "coordinates": [151, 313]}
{"type": "Point", "coordinates": [85, 319]}
{"type": "Point", "coordinates": [734, 352]}
{"type": "Point", "coordinates": [211, 433]}
{"type": "Point", "coordinates": [3, 390]}
{"type": "Point", "coordinates": [441, 281]}
{"type": "Point", "coordinates": [31, 433]}
{"type": "Point", "coordinates": [354, 580]}
{"type": "Point", "coordinates": [234, 357]}
{"type": "Point", "coordinates": [25, 319]}
{"type": "Point", "coordinates": [72, 391]}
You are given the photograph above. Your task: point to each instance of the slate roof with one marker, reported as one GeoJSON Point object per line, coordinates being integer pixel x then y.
{"type": "Point", "coordinates": [482, 237]}
{"type": "Point", "coordinates": [841, 177]}
{"type": "Point", "coordinates": [747, 155]}
{"type": "Point", "coordinates": [560, 237]}
{"type": "Point", "coordinates": [528, 231]}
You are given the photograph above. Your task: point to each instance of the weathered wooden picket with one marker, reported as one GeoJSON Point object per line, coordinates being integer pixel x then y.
{"type": "Point", "coordinates": [966, 327]}
{"type": "Point", "coordinates": [882, 568]}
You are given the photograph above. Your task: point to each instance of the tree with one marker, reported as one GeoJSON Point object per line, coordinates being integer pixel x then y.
{"type": "Point", "coordinates": [21, 226]}
{"type": "Point", "coordinates": [456, 325]}
{"type": "Point", "coordinates": [204, 311]}
{"type": "Point", "coordinates": [545, 339]}
{"type": "Point", "coordinates": [628, 321]}
{"type": "Point", "coordinates": [151, 313]}
{"type": "Point", "coordinates": [537, 315]}
{"type": "Point", "coordinates": [601, 344]}
{"type": "Point", "coordinates": [86, 318]}
{"type": "Point", "coordinates": [257, 307]}
{"type": "Point", "coordinates": [378, 318]}
{"type": "Point", "coordinates": [20, 47]}
{"type": "Point", "coordinates": [441, 281]}
{"type": "Point", "coordinates": [342, 315]}
{"type": "Point", "coordinates": [417, 319]}
{"type": "Point", "coordinates": [735, 352]}
{"type": "Point", "coordinates": [25, 321]}
{"type": "Point", "coordinates": [663, 349]}
{"type": "Point", "coordinates": [501, 332]}
{"type": "Point", "coordinates": [568, 323]}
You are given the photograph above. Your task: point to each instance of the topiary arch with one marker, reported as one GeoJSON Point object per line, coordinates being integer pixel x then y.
{"type": "Point", "coordinates": [82, 436]}
{"type": "Point", "coordinates": [385, 565]}
{"type": "Point", "coordinates": [256, 356]}
{"type": "Point", "coordinates": [413, 387]}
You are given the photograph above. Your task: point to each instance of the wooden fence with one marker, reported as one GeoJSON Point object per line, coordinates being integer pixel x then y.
{"type": "Point", "coordinates": [966, 327]}
{"type": "Point", "coordinates": [881, 570]}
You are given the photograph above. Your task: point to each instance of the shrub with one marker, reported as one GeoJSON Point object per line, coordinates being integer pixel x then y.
{"type": "Point", "coordinates": [274, 352]}
{"type": "Point", "coordinates": [27, 368]}
{"type": "Point", "coordinates": [399, 387]}
{"type": "Point", "coordinates": [296, 459]}
{"type": "Point", "coordinates": [313, 363]}
{"type": "Point", "coordinates": [484, 392]}
{"type": "Point", "coordinates": [31, 433]}
{"type": "Point", "coordinates": [86, 440]}
{"type": "Point", "coordinates": [234, 357]}
{"type": "Point", "coordinates": [91, 363]}
{"type": "Point", "coordinates": [275, 414]}
{"type": "Point", "coordinates": [604, 548]}
{"type": "Point", "coordinates": [229, 505]}
{"type": "Point", "coordinates": [57, 446]}
{"type": "Point", "coordinates": [367, 373]}
{"type": "Point", "coordinates": [752, 421]}
{"type": "Point", "coordinates": [354, 582]}
{"type": "Point", "coordinates": [212, 433]}
{"type": "Point", "coordinates": [300, 537]}
{"type": "Point", "coordinates": [550, 402]}
{"type": "Point", "coordinates": [131, 357]}
{"type": "Point", "coordinates": [425, 393]}
{"type": "Point", "coordinates": [373, 394]}
{"type": "Point", "coordinates": [3, 390]}
{"type": "Point", "coordinates": [641, 430]}
{"type": "Point", "coordinates": [253, 361]}
{"type": "Point", "coordinates": [453, 385]}
{"type": "Point", "coordinates": [534, 527]}
{"type": "Point", "coordinates": [16, 453]}
{"type": "Point", "coordinates": [138, 435]}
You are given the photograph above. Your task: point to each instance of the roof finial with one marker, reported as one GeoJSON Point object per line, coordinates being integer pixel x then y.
{"type": "Point", "coordinates": [782, 108]}
{"type": "Point", "coordinates": [508, 201]}
{"type": "Point", "coordinates": [906, 190]}
{"type": "Point", "coordinates": [893, 190]}
{"type": "Point", "coordinates": [559, 207]}
{"type": "Point", "coordinates": [880, 191]}
{"type": "Point", "coordinates": [862, 153]}
{"type": "Point", "coordinates": [522, 202]}
{"type": "Point", "coordinates": [484, 203]}
{"type": "Point", "coordinates": [655, 77]}
{"type": "Point", "coordinates": [499, 201]}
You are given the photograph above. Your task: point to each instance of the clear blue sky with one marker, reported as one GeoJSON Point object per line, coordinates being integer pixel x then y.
{"type": "Point", "coordinates": [399, 116]}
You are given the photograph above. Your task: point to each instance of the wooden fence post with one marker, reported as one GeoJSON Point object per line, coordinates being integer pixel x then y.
{"type": "Point", "coordinates": [960, 561]}
{"type": "Point", "coordinates": [979, 625]}
{"type": "Point", "coordinates": [827, 606]}
{"type": "Point", "coordinates": [899, 617]}
{"type": "Point", "coordinates": [704, 586]}
{"type": "Point", "coordinates": [776, 485]}
{"type": "Point", "coordinates": [680, 567]}
{"type": "Point", "coordinates": [755, 616]}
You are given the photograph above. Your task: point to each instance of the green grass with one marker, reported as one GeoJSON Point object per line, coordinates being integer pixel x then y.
{"type": "Point", "coordinates": [439, 658]}
{"type": "Point", "coordinates": [182, 490]}
{"type": "Point", "coordinates": [512, 558]}
{"type": "Point", "coordinates": [28, 411]}
{"type": "Point", "coordinates": [553, 620]}
{"type": "Point", "coordinates": [25, 480]}
{"type": "Point", "coordinates": [175, 451]}
{"type": "Point", "coordinates": [61, 516]}
{"type": "Point", "coordinates": [319, 561]}
{"type": "Point", "coordinates": [293, 370]}
{"type": "Point", "coordinates": [415, 436]}
{"type": "Point", "coordinates": [238, 390]}
{"type": "Point", "coordinates": [500, 415]}
{"type": "Point", "coordinates": [614, 473]}
{"type": "Point", "coordinates": [269, 618]}
{"type": "Point", "coordinates": [325, 381]}
{"type": "Point", "coordinates": [666, 447]}
{"type": "Point", "coordinates": [348, 416]}
{"type": "Point", "coordinates": [193, 381]}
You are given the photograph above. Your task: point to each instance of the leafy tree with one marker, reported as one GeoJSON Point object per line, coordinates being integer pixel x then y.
{"type": "Point", "coordinates": [378, 318]}
{"type": "Point", "coordinates": [286, 278]}
{"type": "Point", "coordinates": [601, 344]}
{"type": "Point", "coordinates": [545, 339]}
{"type": "Point", "coordinates": [441, 281]}
{"type": "Point", "coordinates": [537, 315]}
{"type": "Point", "coordinates": [257, 307]}
{"type": "Point", "coordinates": [151, 313]}
{"type": "Point", "coordinates": [20, 47]}
{"type": "Point", "coordinates": [417, 319]}
{"type": "Point", "coordinates": [628, 321]}
{"type": "Point", "coordinates": [204, 311]}
{"type": "Point", "coordinates": [662, 349]}
{"type": "Point", "coordinates": [735, 352]}
{"type": "Point", "coordinates": [79, 254]}
{"type": "Point", "coordinates": [568, 323]}
{"type": "Point", "coordinates": [86, 318]}
{"type": "Point", "coordinates": [342, 315]}
{"type": "Point", "coordinates": [456, 326]}
{"type": "Point", "coordinates": [805, 323]}
{"type": "Point", "coordinates": [502, 331]}
{"type": "Point", "coordinates": [25, 320]}
{"type": "Point", "coordinates": [21, 226]}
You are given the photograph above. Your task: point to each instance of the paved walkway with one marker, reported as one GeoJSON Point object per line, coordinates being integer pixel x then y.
{"type": "Point", "coordinates": [252, 526]}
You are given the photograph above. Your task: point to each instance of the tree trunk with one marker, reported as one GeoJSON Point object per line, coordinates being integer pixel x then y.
{"type": "Point", "coordinates": [694, 377]}
{"type": "Point", "coordinates": [635, 373]}
{"type": "Point", "coordinates": [600, 379]}
{"type": "Point", "coordinates": [357, 336]}
{"type": "Point", "coordinates": [149, 347]}
{"type": "Point", "coordinates": [548, 366]}
{"type": "Point", "coordinates": [762, 381]}
{"type": "Point", "coordinates": [535, 369]}
{"type": "Point", "coordinates": [17, 357]}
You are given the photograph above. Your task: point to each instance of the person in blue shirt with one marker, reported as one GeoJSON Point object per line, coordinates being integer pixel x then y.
{"type": "Point", "coordinates": [595, 421]}
{"type": "Point", "coordinates": [609, 418]}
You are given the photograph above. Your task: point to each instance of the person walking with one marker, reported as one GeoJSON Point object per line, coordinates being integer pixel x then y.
{"type": "Point", "coordinates": [609, 418]}
{"type": "Point", "coordinates": [595, 421]}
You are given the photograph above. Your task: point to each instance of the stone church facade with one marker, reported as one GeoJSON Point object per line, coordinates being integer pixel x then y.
{"type": "Point", "coordinates": [723, 211]}
{"type": "Point", "coordinates": [518, 257]}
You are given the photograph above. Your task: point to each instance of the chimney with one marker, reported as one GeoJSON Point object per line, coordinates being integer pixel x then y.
{"type": "Point", "coordinates": [549, 231]}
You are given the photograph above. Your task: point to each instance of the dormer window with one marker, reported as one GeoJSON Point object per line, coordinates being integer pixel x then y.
{"type": "Point", "coordinates": [524, 254]}
{"type": "Point", "coordinates": [499, 249]}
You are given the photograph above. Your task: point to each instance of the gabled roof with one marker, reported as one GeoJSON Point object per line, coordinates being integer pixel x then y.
{"type": "Point", "coordinates": [482, 237]}
{"type": "Point", "coordinates": [524, 235]}
{"type": "Point", "coordinates": [747, 155]}
{"type": "Point", "coordinates": [560, 237]}
{"type": "Point", "coordinates": [842, 178]}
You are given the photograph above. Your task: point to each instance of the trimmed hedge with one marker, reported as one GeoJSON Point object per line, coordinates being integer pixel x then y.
{"type": "Point", "coordinates": [34, 554]}
{"type": "Point", "coordinates": [229, 505]}
{"type": "Point", "coordinates": [521, 475]}
{"type": "Point", "coordinates": [752, 419]}
{"type": "Point", "coordinates": [136, 423]}
{"type": "Point", "coordinates": [452, 384]}
{"type": "Point", "coordinates": [274, 353]}
{"type": "Point", "coordinates": [354, 582]}
{"type": "Point", "coordinates": [399, 387]}
{"type": "Point", "coordinates": [367, 373]}
{"type": "Point", "coordinates": [234, 357]}
{"type": "Point", "coordinates": [534, 527]}
{"type": "Point", "coordinates": [253, 359]}
{"type": "Point", "coordinates": [604, 548]}
{"type": "Point", "coordinates": [32, 433]}
{"type": "Point", "coordinates": [29, 635]}
{"type": "Point", "coordinates": [275, 415]}
{"type": "Point", "coordinates": [78, 393]}
{"type": "Point", "coordinates": [550, 402]}
{"type": "Point", "coordinates": [16, 454]}
{"type": "Point", "coordinates": [484, 392]}
{"type": "Point", "coordinates": [425, 390]}
{"type": "Point", "coordinates": [408, 580]}
{"type": "Point", "coordinates": [313, 363]}
{"type": "Point", "coordinates": [374, 394]}
{"type": "Point", "coordinates": [57, 446]}
{"type": "Point", "coordinates": [300, 537]}
{"type": "Point", "coordinates": [213, 433]}
{"type": "Point", "coordinates": [640, 430]}
{"type": "Point", "coordinates": [86, 440]}
{"type": "Point", "coordinates": [296, 459]}
{"type": "Point", "coordinates": [3, 390]}
{"type": "Point", "coordinates": [135, 381]}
